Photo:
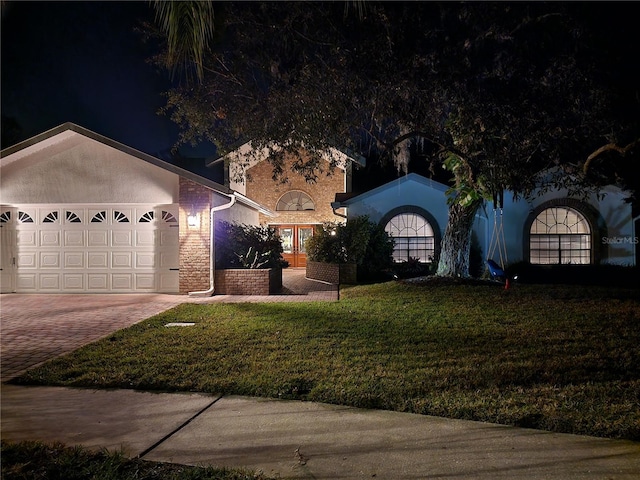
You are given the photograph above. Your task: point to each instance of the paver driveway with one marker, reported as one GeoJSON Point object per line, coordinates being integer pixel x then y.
{"type": "Point", "coordinates": [35, 328]}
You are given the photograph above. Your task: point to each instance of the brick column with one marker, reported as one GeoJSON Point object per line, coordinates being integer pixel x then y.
{"type": "Point", "coordinates": [194, 241]}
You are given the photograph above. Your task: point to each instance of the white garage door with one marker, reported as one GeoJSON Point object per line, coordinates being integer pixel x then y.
{"type": "Point", "coordinates": [89, 248]}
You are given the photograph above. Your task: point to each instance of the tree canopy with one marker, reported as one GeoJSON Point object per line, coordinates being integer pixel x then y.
{"type": "Point", "coordinates": [494, 92]}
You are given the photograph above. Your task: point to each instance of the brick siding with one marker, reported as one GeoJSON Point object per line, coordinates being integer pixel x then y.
{"type": "Point", "coordinates": [261, 281]}
{"type": "Point", "coordinates": [194, 241]}
{"type": "Point", "coordinates": [333, 273]}
{"type": "Point", "coordinates": [264, 190]}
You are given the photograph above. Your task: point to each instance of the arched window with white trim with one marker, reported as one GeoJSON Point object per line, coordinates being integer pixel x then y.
{"type": "Point", "coordinates": [560, 235]}
{"type": "Point", "coordinates": [413, 236]}
{"type": "Point", "coordinates": [294, 201]}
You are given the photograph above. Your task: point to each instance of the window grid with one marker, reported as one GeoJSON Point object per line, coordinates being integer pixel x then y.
{"type": "Point", "coordinates": [560, 235]}
{"type": "Point", "coordinates": [295, 201]}
{"type": "Point", "coordinates": [413, 237]}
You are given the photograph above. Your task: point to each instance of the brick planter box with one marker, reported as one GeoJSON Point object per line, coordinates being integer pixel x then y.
{"type": "Point", "coordinates": [258, 281]}
{"type": "Point", "coordinates": [335, 273]}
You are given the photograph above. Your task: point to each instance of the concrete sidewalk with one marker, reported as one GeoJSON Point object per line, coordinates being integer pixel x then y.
{"type": "Point", "coordinates": [304, 440]}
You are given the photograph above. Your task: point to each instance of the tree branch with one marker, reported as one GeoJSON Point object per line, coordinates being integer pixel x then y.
{"type": "Point", "coordinates": [608, 148]}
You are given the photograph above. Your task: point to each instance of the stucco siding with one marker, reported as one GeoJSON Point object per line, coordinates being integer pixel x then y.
{"type": "Point", "coordinates": [87, 172]}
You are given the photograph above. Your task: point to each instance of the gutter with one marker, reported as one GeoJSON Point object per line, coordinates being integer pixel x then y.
{"type": "Point", "coordinates": [334, 207]}
{"type": "Point", "coordinates": [212, 256]}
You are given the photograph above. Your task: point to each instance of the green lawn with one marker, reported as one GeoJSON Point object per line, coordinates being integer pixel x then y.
{"type": "Point", "coordinates": [40, 461]}
{"type": "Point", "coordinates": [559, 358]}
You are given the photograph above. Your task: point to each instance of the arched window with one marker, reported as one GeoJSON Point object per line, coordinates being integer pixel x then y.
{"type": "Point", "coordinates": [413, 235]}
{"type": "Point", "coordinates": [560, 235]}
{"type": "Point", "coordinates": [295, 200]}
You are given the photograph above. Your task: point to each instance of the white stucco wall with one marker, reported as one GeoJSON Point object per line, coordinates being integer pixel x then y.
{"type": "Point", "coordinates": [238, 213]}
{"type": "Point", "coordinates": [615, 216]}
{"type": "Point", "coordinates": [81, 170]}
{"type": "Point", "coordinates": [411, 189]}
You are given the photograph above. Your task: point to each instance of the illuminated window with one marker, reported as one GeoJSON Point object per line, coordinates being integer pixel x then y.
{"type": "Point", "coordinates": [295, 201]}
{"type": "Point", "coordinates": [413, 237]}
{"type": "Point", "coordinates": [560, 235]}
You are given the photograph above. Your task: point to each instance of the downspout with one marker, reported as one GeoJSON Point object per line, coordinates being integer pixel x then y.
{"type": "Point", "coordinates": [212, 256]}
{"type": "Point", "coordinates": [334, 207]}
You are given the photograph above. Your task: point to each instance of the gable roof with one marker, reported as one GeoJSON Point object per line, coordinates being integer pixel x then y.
{"type": "Point", "coordinates": [60, 137]}
{"type": "Point", "coordinates": [343, 200]}
{"type": "Point", "coordinates": [245, 148]}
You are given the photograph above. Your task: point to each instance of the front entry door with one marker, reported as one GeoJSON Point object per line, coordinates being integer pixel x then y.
{"type": "Point", "coordinates": [293, 238]}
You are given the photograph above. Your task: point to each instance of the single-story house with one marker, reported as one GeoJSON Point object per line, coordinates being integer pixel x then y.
{"type": "Point", "coordinates": [82, 213]}
{"type": "Point", "coordinates": [551, 228]}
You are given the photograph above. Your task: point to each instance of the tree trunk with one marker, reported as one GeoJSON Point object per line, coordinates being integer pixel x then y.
{"type": "Point", "coordinates": [456, 241]}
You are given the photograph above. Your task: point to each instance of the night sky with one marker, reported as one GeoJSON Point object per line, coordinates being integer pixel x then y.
{"type": "Point", "coordinates": [83, 62]}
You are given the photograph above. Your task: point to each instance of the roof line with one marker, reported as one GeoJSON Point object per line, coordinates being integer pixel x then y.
{"type": "Point", "coordinates": [357, 158]}
{"type": "Point", "coordinates": [118, 146]}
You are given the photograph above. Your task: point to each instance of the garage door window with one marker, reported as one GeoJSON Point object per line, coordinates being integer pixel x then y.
{"type": "Point", "coordinates": [52, 217]}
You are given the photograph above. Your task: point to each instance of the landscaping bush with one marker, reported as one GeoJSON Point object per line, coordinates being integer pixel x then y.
{"type": "Point", "coordinates": [247, 246]}
{"type": "Point", "coordinates": [359, 241]}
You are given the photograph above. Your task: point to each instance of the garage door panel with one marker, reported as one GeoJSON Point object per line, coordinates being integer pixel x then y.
{"type": "Point", "coordinates": [26, 238]}
{"type": "Point", "coordinates": [73, 281]}
{"type": "Point", "coordinates": [98, 238]}
{"type": "Point", "coordinates": [27, 260]}
{"type": "Point", "coordinates": [97, 281]}
{"type": "Point", "coordinates": [122, 281]}
{"type": "Point", "coordinates": [146, 260]}
{"type": "Point", "coordinates": [122, 238]}
{"type": "Point", "coordinates": [74, 238]}
{"type": "Point", "coordinates": [98, 260]}
{"type": "Point", "coordinates": [169, 237]}
{"type": "Point", "coordinates": [49, 238]}
{"type": "Point", "coordinates": [27, 282]}
{"type": "Point", "coordinates": [145, 238]}
{"type": "Point", "coordinates": [168, 281]}
{"type": "Point", "coordinates": [121, 260]}
{"type": "Point", "coordinates": [146, 281]}
{"type": "Point", "coordinates": [169, 260]}
{"type": "Point", "coordinates": [94, 248]}
{"type": "Point", "coordinates": [74, 260]}
{"type": "Point", "coordinates": [49, 260]}
{"type": "Point", "coordinates": [49, 281]}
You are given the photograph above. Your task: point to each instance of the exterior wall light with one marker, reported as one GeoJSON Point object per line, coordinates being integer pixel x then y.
{"type": "Point", "coordinates": [193, 220]}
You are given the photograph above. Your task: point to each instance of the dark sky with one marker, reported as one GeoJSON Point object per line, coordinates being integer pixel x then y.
{"type": "Point", "coordinates": [83, 62]}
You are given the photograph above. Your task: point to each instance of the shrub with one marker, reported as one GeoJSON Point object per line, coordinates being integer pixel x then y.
{"type": "Point", "coordinates": [359, 241]}
{"type": "Point", "coordinates": [247, 246]}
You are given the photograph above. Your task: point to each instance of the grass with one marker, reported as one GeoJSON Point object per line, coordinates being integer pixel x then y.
{"type": "Point", "coordinates": [558, 358]}
{"type": "Point", "coordinates": [40, 461]}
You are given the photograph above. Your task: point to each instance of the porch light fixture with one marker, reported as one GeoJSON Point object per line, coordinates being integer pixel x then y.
{"type": "Point", "coordinates": [193, 220]}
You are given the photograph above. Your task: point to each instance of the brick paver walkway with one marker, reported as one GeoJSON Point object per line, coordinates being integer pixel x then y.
{"type": "Point", "coordinates": [35, 328]}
